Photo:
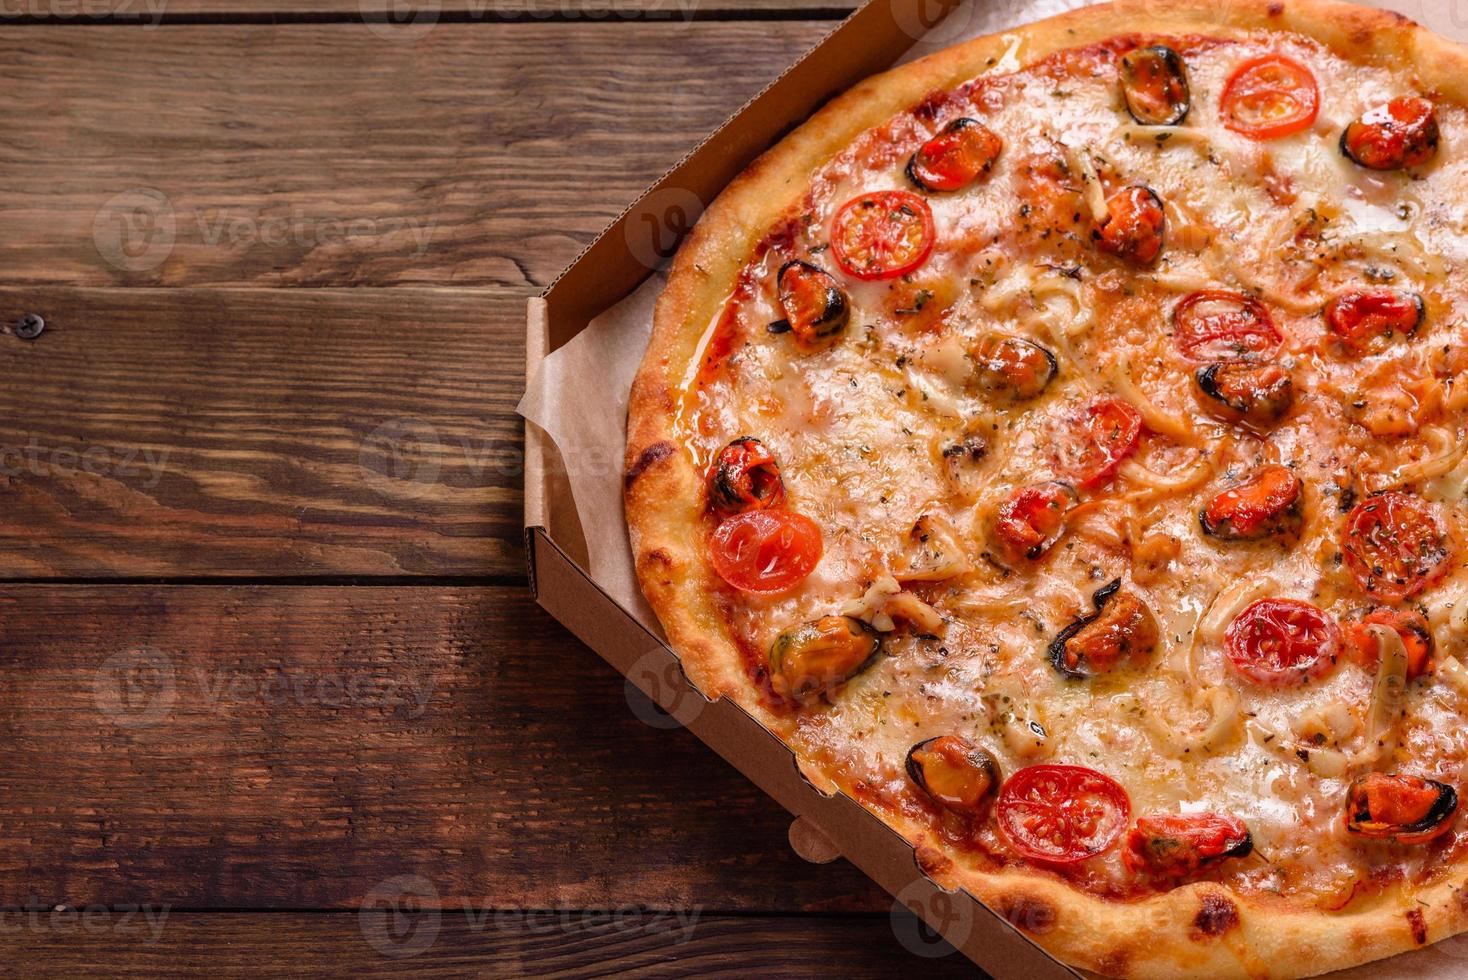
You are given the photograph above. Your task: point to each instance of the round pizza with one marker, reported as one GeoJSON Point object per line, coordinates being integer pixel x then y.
{"type": "Point", "coordinates": [1059, 442]}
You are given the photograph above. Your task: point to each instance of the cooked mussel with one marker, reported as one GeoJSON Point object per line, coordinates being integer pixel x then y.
{"type": "Point", "coordinates": [1032, 519]}
{"type": "Point", "coordinates": [1121, 632]}
{"type": "Point", "coordinates": [1135, 227]}
{"type": "Point", "coordinates": [1405, 809]}
{"type": "Point", "coordinates": [962, 152]}
{"type": "Point", "coordinates": [1262, 506]}
{"type": "Point", "coordinates": [1154, 81]}
{"type": "Point", "coordinates": [957, 774]}
{"type": "Point", "coordinates": [814, 304]}
{"type": "Point", "coordinates": [1402, 133]}
{"type": "Point", "coordinates": [1180, 845]}
{"type": "Point", "coordinates": [745, 476]}
{"type": "Point", "coordinates": [1013, 367]}
{"type": "Point", "coordinates": [1259, 394]}
{"type": "Point", "coordinates": [814, 659]}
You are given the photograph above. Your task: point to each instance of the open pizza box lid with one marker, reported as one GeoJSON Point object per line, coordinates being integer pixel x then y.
{"type": "Point", "coordinates": [575, 407]}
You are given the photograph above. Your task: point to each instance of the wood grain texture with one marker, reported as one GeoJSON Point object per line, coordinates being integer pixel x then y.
{"type": "Point", "coordinates": [503, 11]}
{"type": "Point", "coordinates": [154, 432]}
{"type": "Point", "coordinates": [490, 944]}
{"type": "Point", "coordinates": [295, 747]}
{"type": "Point", "coordinates": [331, 155]}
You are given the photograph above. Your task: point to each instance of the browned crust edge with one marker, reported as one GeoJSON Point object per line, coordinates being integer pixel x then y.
{"type": "Point", "coordinates": [1202, 929]}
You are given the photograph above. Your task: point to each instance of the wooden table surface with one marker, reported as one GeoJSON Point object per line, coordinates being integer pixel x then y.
{"type": "Point", "coordinates": [274, 697]}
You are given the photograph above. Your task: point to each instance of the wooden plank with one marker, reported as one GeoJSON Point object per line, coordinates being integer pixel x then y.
{"type": "Point", "coordinates": [509, 944]}
{"type": "Point", "coordinates": [330, 155]}
{"type": "Point", "coordinates": [195, 432]}
{"type": "Point", "coordinates": [295, 747]}
{"type": "Point", "coordinates": [440, 11]}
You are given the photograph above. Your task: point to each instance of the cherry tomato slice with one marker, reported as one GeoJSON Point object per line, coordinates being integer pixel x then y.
{"type": "Point", "coordinates": [1112, 431]}
{"type": "Point", "coordinates": [1402, 133]}
{"type": "Point", "coordinates": [1395, 545]}
{"type": "Point", "coordinates": [1409, 624]}
{"type": "Point", "coordinates": [882, 235]}
{"type": "Point", "coordinates": [765, 551]}
{"type": "Point", "coordinates": [1180, 845]}
{"type": "Point", "coordinates": [1264, 505]}
{"type": "Point", "coordinates": [1032, 520]}
{"type": "Point", "coordinates": [1269, 98]}
{"type": "Point", "coordinates": [1061, 814]}
{"type": "Point", "coordinates": [1282, 642]}
{"type": "Point", "coordinates": [960, 154]}
{"type": "Point", "coordinates": [1219, 325]}
{"type": "Point", "coordinates": [1363, 318]}
{"type": "Point", "coordinates": [1135, 226]}
{"type": "Point", "coordinates": [745, 476]}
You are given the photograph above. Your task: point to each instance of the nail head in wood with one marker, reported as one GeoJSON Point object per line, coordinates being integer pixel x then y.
{"type": "Point", "coordinates": [30, 326]}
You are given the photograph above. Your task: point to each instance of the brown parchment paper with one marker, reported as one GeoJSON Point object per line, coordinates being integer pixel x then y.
{"type": "Point", "coordinates": [579, 398]}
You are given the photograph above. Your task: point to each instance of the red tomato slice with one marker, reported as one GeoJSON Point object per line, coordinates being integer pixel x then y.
{"type": "Point", "coordinates": [1061, 814]}
{"type": "Point", "coordinates": [1395, 545]}
{"type": "Point", "coordinates": [1269, 98]}
{"type": "Point", "coordinates": [882, 235]}
{"type": "Point", "coordinates": [1282, 642]}
{"type": "Point", "coordinates": [1112, 431]}
{"type": "Point", "coordinates": [1219, 325]}
{"type": "Point", "coordinates": [765, 551]}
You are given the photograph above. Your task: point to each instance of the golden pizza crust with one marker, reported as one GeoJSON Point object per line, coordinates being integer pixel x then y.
{"type": "Point", "coordinates": [1202, 929]}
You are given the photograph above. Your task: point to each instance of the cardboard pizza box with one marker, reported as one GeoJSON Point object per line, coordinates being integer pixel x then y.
{"type": "Point", "coordinates": [618, 261]}
{"type": "Point", "coordinates": [576, 589]}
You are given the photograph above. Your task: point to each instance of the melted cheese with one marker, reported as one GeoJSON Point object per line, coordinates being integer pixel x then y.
{"type": "Point", "coordinates": [861, 430]}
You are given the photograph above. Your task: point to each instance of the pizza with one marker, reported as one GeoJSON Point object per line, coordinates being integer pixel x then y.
{"type": "Point", "coordinates": [1059, 442]}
